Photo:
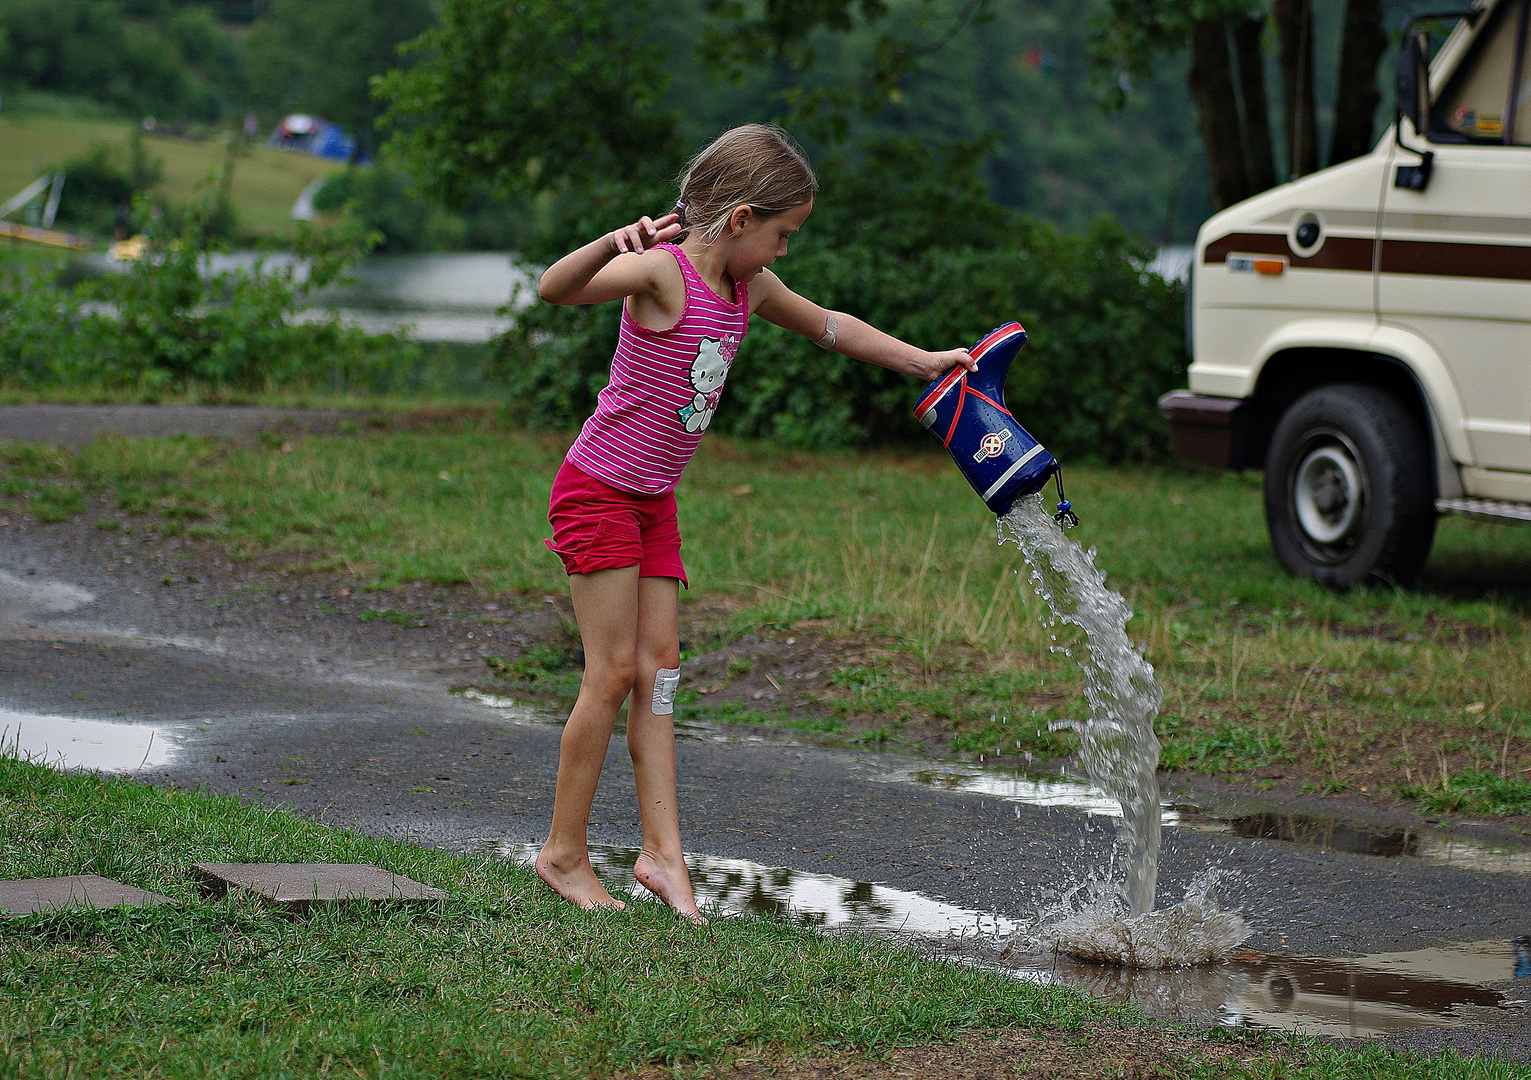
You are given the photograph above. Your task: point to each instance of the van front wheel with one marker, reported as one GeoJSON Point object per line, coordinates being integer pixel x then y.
{"type": "Point", "coordinates": [1348, 490]}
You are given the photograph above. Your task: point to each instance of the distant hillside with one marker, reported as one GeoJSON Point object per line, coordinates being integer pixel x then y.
{"type": "Point", "coordinates": [266, 182]}
{"type": "Point", "coordinates": [142, 57]}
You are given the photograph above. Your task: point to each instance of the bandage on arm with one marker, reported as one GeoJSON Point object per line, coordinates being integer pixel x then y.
{"type": "Point", "coordinates": [831, 328]}
{"type": "Point", "coordinates": [666, 682]}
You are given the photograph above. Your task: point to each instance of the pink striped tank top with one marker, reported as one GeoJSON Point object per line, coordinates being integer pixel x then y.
{"type": "Point", "coordinates": [664, 388]}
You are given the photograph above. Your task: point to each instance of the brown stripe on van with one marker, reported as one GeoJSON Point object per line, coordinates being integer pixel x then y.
{"type": "Point", "coordinates": [1502, 262]}
{"type": "Point", "coordinates": [1338, 252]}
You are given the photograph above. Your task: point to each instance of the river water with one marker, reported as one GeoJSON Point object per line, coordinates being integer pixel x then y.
{"type": "Point", "coordinates": [441, 296]}
{"type": "Point", "coordinates": [437, 297]}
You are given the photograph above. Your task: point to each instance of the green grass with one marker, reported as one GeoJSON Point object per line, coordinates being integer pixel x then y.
{"type": "Point", "coordinates": [1475, 792]}
{"type": "Point", "coordinates": [1375, 691]}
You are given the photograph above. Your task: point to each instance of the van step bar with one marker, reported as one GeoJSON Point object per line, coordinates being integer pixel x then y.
{"type": "Point", "coordinates": [1486, 508]}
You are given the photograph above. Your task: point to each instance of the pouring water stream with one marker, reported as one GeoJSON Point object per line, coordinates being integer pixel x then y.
{"type": "Point", "coordinates": [1117, 745]}
{"type": "Point", "coordinates": [1120, 754]}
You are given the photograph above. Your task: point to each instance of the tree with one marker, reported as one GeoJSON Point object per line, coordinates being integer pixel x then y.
{"type": "Point", "coordinates": [1227, 79]}
{"type": "Point", "coordinates": [1294, 26]}
{"type": "Point", "coordinates": [1226, 76]}
{"type": "Point", "coordinates": [322, 55]}
{"type": "Point", "coordinates": [1361, 49]}
{"type": "Point", "coordinates": [528, 94]}
{"type": "Point", "coordinates": [781, 32]}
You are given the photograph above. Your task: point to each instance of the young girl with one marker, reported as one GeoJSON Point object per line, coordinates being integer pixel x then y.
{"type": "Point", "coordinates": [686, 308]}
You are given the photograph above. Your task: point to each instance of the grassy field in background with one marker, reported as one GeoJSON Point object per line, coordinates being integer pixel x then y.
{"type": "Point", "coordinates": [266, 182]}
{"type": "Point", "coordinates": [502, 979]}
{"type": "Point", "coordinates": [1268, 678]}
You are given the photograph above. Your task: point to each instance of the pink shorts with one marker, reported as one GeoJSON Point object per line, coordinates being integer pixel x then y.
{"type": "Point", "coordinates": [599, 527]}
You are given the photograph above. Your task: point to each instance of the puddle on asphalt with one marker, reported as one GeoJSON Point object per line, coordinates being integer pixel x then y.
{"type": "Point", "coordinates": [20, 597]}
{"type": "Point", "coordinates": [820, 901]}
{"type": "Point", "coordinates": [1350, 998]}
{"type": "Point", "coordinates": [66, 742]}
{"type": "Point", "coordinates": [1306, 830]}
{"type": "Point", "coordinates": [1369, 995]}
{"type": "Point", "coordinates": [519, 713]}
{"type": "Point", "coordinates": [1028, 788]}
{"type": "Point", "coordinates": [1331, 834]}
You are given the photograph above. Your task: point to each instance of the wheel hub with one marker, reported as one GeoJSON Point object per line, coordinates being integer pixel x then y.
{"type": "Point", "coordinates": [1327, 494]}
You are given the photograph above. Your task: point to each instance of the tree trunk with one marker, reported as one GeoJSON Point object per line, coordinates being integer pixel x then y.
{"type": "Point", "coordinates": [1294, 22]}
{"type": "Point", "coordinates": [1217, 112]}
{"type": "Point", "coordinates": [1355, 106]}
{"type": "Point", "coordinates": [1257, 117]}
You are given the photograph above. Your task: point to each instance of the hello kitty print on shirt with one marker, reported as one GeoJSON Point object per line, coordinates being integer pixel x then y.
{"type": "Point", "coordinates": [708, 372]}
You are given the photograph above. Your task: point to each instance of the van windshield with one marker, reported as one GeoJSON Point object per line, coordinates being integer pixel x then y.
{"type": "Point", "coordinates": [1477, 105]}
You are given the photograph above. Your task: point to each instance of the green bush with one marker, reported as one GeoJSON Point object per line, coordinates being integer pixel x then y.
{"type": "Point", "coordinates": [378, 199]}
{"type": "Point", "coordinates": [97, 187]}
{"type": "Point", "coordinates": [165, 323]}
{"type": "Point", "coordinates": [909, 240]}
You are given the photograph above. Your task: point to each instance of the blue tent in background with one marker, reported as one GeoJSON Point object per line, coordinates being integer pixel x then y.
{"type": "Point", "coordinates": [313, 135]}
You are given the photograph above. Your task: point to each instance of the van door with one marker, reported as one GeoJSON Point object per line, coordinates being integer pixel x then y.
{"type": "Point", "coordinates": [1455, 258]}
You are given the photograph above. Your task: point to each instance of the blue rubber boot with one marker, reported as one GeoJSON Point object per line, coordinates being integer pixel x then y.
{"type": "Point", "coordinates": [966, 411]}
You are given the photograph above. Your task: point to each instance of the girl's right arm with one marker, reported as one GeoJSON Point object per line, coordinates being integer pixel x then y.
{"type": "Point", "coordinates": [595, 273]}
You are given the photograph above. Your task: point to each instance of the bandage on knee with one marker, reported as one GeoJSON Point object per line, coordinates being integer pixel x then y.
{"type": "Point", "coordinates": [666, 682]}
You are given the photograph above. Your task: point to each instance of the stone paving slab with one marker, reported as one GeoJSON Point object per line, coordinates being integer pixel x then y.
{"type": "Point", "coordinates": [299, 886]}
{"type": "Point", "coordinates": [31, 895]}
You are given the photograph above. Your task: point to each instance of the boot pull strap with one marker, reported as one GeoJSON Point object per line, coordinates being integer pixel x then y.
{"type": "Point", "coordinates": [1065, 515]}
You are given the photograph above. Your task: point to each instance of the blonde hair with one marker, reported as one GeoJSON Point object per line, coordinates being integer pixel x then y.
{"type": "Point", "coordinates": [758, 165]}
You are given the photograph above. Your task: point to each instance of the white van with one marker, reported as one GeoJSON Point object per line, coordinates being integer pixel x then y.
{"type": "Point", "coordinates": [1364, 334]}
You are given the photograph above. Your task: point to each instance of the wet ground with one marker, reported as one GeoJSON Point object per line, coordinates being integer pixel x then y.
{"type": "Point", "coordinates": [163, 661]}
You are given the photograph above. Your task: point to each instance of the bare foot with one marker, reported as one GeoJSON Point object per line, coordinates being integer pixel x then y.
{"type": "Point", "coordinates": [575, 881]}
{"type": "Point", "coordinates": [671, 882]}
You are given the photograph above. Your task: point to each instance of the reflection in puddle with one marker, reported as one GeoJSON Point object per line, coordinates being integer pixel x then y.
{"type": "Point", "coordinates": [1307, 830]}
{"type": "Point", "coordinates": [20, 597]}
{"type": "Point", "coordinates": [1371, 995]}
{"type": "Point", "coordinates": [1326, 833]}
{"type": "Point", "coordinates": [517, 712]}
{"type": "Point", "coordinates": [1364, 996]}
{"type": "Point", "coordinates": [806, 899]}
{"type": "Point", "coordinates": [1025, 788]}
{"type": "Point", "coordinates": [66, 742]}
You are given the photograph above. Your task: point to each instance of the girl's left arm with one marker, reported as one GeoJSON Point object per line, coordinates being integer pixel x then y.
{"type": "Point", "coordinates": [859, 340]}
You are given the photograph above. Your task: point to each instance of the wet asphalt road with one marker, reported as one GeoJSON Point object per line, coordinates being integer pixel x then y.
{"type": "Point", "coordinates": [74, 425]}
{"type": "Point", "coordinates": [270, 710]}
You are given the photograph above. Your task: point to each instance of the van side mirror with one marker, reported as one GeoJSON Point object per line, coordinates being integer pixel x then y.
{"type": "Point", "coordinates": [1411, 79]}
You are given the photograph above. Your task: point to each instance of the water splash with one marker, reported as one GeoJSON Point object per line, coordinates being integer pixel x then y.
{"type": "Point", "coordinates": [1194, 931]}
{"type": "Point", "coordinates": [1120, 753]}
{"type": "Point", "coordinates": [1117, 745]}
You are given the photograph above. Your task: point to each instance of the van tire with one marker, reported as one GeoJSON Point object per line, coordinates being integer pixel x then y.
{"type": "Point", "coordinates": [1349, 491]}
